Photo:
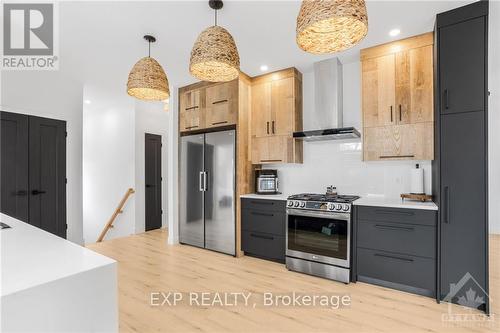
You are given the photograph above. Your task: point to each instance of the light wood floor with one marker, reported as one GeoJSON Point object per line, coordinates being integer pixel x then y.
{"type": "Point", "coordinates": [147, 264]}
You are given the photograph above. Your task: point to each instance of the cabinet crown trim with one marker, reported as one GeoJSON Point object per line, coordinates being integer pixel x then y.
{"type": "Point", "coordinates": [397, 46]}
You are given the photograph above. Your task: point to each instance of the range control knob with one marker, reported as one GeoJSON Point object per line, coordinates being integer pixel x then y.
{"type": "Point", "coordinates": [339, 206]}
{"type": "Point", "coordinates": [296, 204]}
{"type": "Point", "coordinates": [346, 207]}
{"type": "Point", "coordinates": [290, 203]}
{"type": "Point", "coordinates": [331, 206]}
{"type": "Point", "coordinates": [302, 204]}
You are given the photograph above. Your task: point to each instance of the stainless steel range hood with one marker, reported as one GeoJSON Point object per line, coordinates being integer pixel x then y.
{"type": "Point", "coordinates": [327, 115]}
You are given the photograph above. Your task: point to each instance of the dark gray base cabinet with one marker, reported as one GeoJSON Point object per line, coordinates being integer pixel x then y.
{"type": "Point", "coordinates": [396, 248]}
{"type": "Point", "coordinates": [263, 228]}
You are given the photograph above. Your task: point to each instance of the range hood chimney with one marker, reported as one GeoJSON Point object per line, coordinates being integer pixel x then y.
{"type": "Point", "coordinates": [328, 113]}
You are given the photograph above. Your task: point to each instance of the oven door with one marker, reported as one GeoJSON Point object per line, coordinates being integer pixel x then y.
{"type": "Point", "coordinates": [319, 236]}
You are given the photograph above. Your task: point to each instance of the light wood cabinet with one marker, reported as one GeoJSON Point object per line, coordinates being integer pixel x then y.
{"type": "Point", "coordinates": [208, 105]}
{"type": "Point", "coordinates": [397, 99]}
{"type": "Point", "coordinates": [276, 114]}
{"type": "Point", "coordinates": [408, 142]}
{"type": "Point", "coordinates": [221, 104]}
{"type": "Point", "coordinates": [190, 111]}
{"type": "Point", "coordinates": [261, 109]}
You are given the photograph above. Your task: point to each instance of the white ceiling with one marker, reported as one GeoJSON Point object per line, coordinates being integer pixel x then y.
{"type": "Point", "coordinates": [100, 41]}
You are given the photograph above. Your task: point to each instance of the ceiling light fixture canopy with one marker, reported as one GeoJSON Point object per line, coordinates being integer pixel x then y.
{"type": "Point", "coordinates": [329, 26]}
{"type": "Point", "coordinates": [147, 79]}
{"type": "Point", "coordinates": [214, 56]}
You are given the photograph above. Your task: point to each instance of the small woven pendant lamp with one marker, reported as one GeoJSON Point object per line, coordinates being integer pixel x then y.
{"type": "Point", "coordinates": [329, 26]}
{"type": "Point", "coordinates": [147, 79]}
{"type": "Point", "coordinates": [214, 56]}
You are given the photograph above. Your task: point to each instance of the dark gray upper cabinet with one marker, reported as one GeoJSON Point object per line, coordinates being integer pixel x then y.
{"type": "Point", "coordinates": [460, 167]}
{"type": "Point", "coordinates": [461, 54]}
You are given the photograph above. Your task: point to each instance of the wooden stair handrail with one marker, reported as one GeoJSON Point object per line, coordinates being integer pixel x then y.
{"type": "Point", "coordinates": [118, 210]}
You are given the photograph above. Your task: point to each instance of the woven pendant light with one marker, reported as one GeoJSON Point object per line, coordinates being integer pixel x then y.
{"type": "Point", "coordinates": [214, 56]}
{"type": "Point", "coordinates": [147, 79]}
{"type": "Point", "coordinates": [328, 26]}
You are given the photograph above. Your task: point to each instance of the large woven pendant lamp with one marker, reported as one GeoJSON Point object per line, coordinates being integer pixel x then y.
{"type": "Point", "coordinates": [214, 56]}
{"type": "Point", "coordinates": [328, 26]}
{"type": "Point", "coordinates": [147, 79]}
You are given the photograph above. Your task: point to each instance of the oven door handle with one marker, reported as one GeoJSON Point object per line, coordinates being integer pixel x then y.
{"type": "Point", "coordinates": [309, 213]}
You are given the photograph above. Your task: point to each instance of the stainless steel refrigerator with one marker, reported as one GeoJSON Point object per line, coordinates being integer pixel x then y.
{"type": "Point", "coordinates": [207, 191]}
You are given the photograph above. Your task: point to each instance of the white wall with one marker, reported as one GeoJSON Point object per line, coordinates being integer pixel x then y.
{"type": "Point", "coordinates": [339, 162]}
{"type": "Point", "coordinates": [52, 94]}
{"type": "Point", "coordinates": [108, 167]}
{"type": "Point", "coordinates": [150, 117]}
{"type": "Point", "coordinates": [173, 168]}
{"type": "Point", "coordinates": [494, 117]}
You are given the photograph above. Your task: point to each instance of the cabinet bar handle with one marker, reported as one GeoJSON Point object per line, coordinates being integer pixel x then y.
{"type": "Point", "coordinates": [262, 202]}
{"type": "Point", "coordinates": [447, 204]}
{"type": "Point", "coordinates": [391, 114]}
{"type": "Point", "coordinates": [220, 122]}
{"type": "Point", "coordinates": [191, 127]}
{"type": "Point", "coordinates": [221, 101]}
{"type": "Point", "coordinates": [446, 99]}
{"type": "Point", "coordinates": [393, 257]}
{"type": "Point", "coordinates": [271, 160]}
{"type": "Point", "coordinates": [399, 112]}
{"type": "Point", "coordinates": [262, 236]}
{"type": "Point", "coordinates": [191, 108]}
{"type": "Point", "coordinates": [267, 127]}
{"type": "Point", "coordinates": [272, 127]}
{"type": "Point", "coordinates": [395, 156]}
{"type": "Point", "coordinates": [262, 214]}
{"type": "Point", "coordinates": [393, 227]}
{"type": "Point", "coordinates": [392, 212]}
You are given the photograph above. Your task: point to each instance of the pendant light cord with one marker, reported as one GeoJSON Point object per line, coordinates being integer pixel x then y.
{"type": "Point", "coordinates": [149, 49]}
{"type": "Point", "coordinates": [215, 17]}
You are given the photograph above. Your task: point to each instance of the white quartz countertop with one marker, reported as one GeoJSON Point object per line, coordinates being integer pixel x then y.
{"type": "Point", "coordinates": [380, 201]}
{"type": "Point", "coordinates": [31, 257]}
{"type": "Point", "coordinates": [281, 196]}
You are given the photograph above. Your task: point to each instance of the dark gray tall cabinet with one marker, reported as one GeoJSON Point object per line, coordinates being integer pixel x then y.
{"type": "Point", "coordinates": [460, 179]}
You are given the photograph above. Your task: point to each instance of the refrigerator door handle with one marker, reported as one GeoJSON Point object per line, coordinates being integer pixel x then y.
{"type": "Point", "coordinates": [201, 181]}
{"type": "Point", "coordinates": [205, 187]}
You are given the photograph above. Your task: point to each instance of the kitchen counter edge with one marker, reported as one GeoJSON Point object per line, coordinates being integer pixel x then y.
{"type": "Point", "coordinates": [395, 203]}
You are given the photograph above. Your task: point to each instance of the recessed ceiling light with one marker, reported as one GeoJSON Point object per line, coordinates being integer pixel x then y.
{"type": "Point", "coordinates": [87, 101]}
{"type": "Point", "coordinates": [394, 32]}
{"type": "Point", "coordinates": [264, 68]}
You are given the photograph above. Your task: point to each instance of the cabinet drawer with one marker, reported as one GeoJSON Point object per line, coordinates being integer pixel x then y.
{"type": "Point", "coordinates": [399, 215]}
{"type": "Point", "coordinates": [264, 245]}
{"type": "Point", "coordinates": [271, 222]}
{"type": "Point", "coordinates": [264, 205]}
{"type": "Point", "coordinates": [403, 270]}
{"type": "Point", "coordinates": [410, 239]}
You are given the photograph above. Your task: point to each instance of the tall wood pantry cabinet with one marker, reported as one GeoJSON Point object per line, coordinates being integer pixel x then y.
{"type": "Point", "coordinates": [397, 99]}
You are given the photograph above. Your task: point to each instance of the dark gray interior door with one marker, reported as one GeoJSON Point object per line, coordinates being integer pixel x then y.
{"type": "Point", "coordinates": [152, 152]}
{"type": "Point", "coordinates": [47, 174]}
{"type": "Point", "coordinates": [463, 200]}
{"type": "Point", "coordinates": [14, 165]}
{"type": "Point", "coordinates": [461, 58]}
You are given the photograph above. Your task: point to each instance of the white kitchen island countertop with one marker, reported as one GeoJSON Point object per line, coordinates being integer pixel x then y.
{"type": "Point", "coordinates": [281, 196]}
{"type": "Point", "coordinates": [381, 201]}
{"type": "Point", "coordinates": [51, 284]}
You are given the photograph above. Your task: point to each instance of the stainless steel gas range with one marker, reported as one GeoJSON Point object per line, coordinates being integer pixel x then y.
{"type": "Point", "coordinates": [318, 235]}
